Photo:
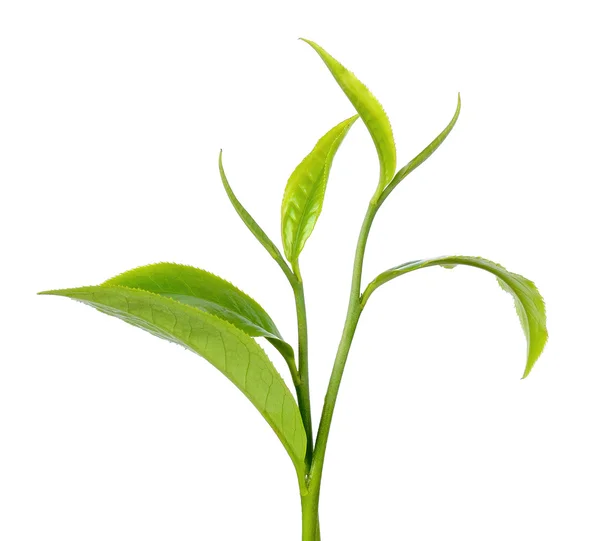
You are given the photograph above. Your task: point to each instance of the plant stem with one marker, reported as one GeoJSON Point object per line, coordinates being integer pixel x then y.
{"type": "Point", "coordinates": [310, 506]}
{"type": "Point", "coordinates": [310, 517]}
{"type": "Point", "coordinates": [303, 388]}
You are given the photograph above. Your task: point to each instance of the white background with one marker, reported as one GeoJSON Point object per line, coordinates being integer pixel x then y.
{"type": "Point", "coordinates": [111, 118]}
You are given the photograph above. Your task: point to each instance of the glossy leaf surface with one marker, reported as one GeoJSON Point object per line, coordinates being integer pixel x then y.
{"type": "Point", "coordinates": [305, 190]}
{"type": "Point", "coordinates": [424, 154]}
{"type": "Point", "coordinates": [528, 301]}
{"type": "Point", "coordinates": [208, 293]}
{"type": "Point", "coordinates": [226, 347]}
{"type": "Point", "coordinates": [371, 112]}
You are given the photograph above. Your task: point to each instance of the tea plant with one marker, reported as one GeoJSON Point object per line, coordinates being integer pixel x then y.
{"type": "Point", "coordinates": [213, 318]}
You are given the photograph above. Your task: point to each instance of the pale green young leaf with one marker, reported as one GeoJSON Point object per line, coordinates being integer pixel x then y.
{"type": "Point", "coordinates": [528, 301]}
{"type": "Point", "coordinates": [371, 112]}
{"type": "Point", "coordinates": [254, 228]}
{"type": "Point", "coordinates": [422, 156]}
{"type": "Point", "coordinates": [305, 190]}
{"type": "Point", "coordinates": [208, 293]}
{"type": "Point", "coordinates": [226, 347]}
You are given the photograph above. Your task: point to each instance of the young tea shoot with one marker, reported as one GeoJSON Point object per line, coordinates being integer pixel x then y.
{"type": "Point", "coordinates": [219, 322]}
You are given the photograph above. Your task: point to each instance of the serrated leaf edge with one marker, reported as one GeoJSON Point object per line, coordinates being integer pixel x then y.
{"type": "Point", "coordinates": [191, 267]}
{"type": "Point", "coordinates": [385, 176]}
{"type": "Point", "coordinates": [209, 317]}
{"type": "Point", "coordinates": [334, 147]}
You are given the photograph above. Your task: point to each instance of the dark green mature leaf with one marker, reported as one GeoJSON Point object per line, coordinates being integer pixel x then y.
{"type": "Point", "coordinates": [251, 224]}
{"type": "Point", "coordinates": [528, 301]}
{"type": "Point", "coordinates": [371, 112]}
{"type": "Point", "coordinates": [225, 346]}
{"type": "Point", "coordinates": [423, 155]}
{"type": "Point", "coordinates": [208, 293]}
{"type": "Point", "coordinates": [305, 190]}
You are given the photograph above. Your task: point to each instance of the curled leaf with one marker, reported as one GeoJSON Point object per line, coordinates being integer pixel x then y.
{"type": "Point", "coordinates": [371, 112]}
{"type": "Point", "coordinates": [528, 301]}
{"type": "Point", "coordinates": [422, 156]}
{"type": "Point", "coordinates": [251, 224]}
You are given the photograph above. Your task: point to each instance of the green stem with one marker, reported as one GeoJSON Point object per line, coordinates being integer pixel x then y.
{"type": "Point", "coordinates": [302, 388]}
{"type": "Point", "coordinates": [352, 317]}
{"type": "Point", "coordinates": [310, 517]}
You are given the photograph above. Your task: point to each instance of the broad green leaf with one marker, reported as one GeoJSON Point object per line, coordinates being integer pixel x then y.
{"type": "Point", "coordinates": [251, 224]}
{"type": "Point", "coordinates": [225, 346]}
{"type": "Point", "coordinates": [423, 155]}
{"type": "Point", "coordinates": [371, 112]}
{"type": "Point", "coordinates": [528, 301]}
{"type": "Point", "coordinates": [208, 293]}
{"type": "Point", "coordinates": [305, 190]}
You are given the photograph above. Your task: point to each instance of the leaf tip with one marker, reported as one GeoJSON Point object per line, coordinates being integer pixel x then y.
{"type": "Point", "coordinates": [49, 292]}
{"type": "Point", "coordinates": [222, 170]}
{"type": "Point", "coordinates": [527, 371]}
{"type": "Point", "coordinates": [314, 45]}
{"type": "Point", "coordinates": [540, 346]}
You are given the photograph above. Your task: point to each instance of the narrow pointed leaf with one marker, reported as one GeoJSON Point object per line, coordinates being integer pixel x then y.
{"type": "Point", "coordinates": [423, 155]}
{"type": "Point", "coordinates": [528, 301]}
{"type": "Point", "coordinates": [208, 293]}
{"type": "Point", "coordinates": [371, 112]}
{"type": "Point", "coordinates": [251, 224]}
{"type": "Point", "coordinates": [305, 190]}
{"type": "Point", "coordinates": [226, 347]}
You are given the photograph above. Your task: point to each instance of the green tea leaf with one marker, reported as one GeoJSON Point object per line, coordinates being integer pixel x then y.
{"type": "Point", "coordinates": [208, 293]}
{"type": "Point", "coordinates": [305, 190]}
{"type": "Point", "coordinates": [422, 156]}
{"type": "Point", "coordinates": [254, 228]}
{"type": "Point", "coordinates": [528, 301]}
{"type": "Point", "coordinates": [226, 347]}
{"type": "Point", "coordinates": [371, 112]}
